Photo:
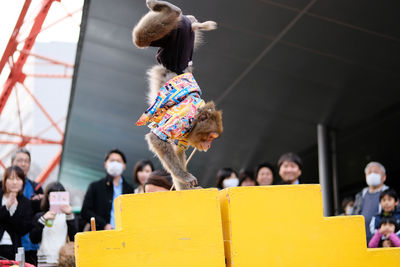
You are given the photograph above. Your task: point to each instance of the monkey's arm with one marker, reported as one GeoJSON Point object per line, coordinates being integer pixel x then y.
{"type": "Point", "coordinates": [181, 155]}
{"type": "Point", "coordinates": [172, 161]}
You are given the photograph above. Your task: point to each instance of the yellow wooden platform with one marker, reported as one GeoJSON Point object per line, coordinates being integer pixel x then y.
{"type": "Point", "coordinates": [179, 228]}
{"type": "Point", "coordinates": [261, 226]}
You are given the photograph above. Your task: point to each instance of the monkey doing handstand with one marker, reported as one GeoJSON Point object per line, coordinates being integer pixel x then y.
{"type": "Point", "coordinates": [178, 117]}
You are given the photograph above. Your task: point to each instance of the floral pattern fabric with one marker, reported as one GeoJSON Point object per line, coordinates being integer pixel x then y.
{"type": "Point", "coordinates": [172, 114]}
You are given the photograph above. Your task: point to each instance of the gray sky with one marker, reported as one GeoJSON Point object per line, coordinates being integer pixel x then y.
{"type": "Point", "coordinates": [66, 31]}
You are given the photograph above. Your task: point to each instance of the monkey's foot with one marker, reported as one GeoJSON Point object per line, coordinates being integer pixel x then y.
{"type": "Point", "coordinates": [205, 26]}
{"type": "Point", "coordinates": [157, 5]}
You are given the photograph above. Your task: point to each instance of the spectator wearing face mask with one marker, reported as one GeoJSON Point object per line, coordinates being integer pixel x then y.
{"type": "Point", "coordinates": [347, 206]}
{"type": "Point", "coordinates": [367, 201]}
{"type": "Point", "coordinates": [99, 198]}
{"type": "Point", "coordinates": [227, 177]}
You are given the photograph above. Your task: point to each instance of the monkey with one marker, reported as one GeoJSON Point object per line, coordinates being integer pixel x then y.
{"type": "Point", "coordinates": [178, 117]}
{"type": "Point", "coordinates": [207, 127]}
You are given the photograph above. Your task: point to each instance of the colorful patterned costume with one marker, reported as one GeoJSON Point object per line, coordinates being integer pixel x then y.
{"type": "Point", "coordinates": [172, 114]}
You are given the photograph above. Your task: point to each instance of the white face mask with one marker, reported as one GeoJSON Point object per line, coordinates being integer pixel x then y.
{"type": "Point", "coordinates": [231, 182]}
{"type": "Point", "coordinates": [349, 210]}
{"type": "Point", "coordinates": [373, 179]}
{"type": "Point", "coordinates": [115, 168]}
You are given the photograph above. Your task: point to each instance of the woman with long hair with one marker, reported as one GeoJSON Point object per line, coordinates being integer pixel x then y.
{"type": "Point", "coordinates": [15, 212]}
{"type": "Point", "coordinates": [141, 172]}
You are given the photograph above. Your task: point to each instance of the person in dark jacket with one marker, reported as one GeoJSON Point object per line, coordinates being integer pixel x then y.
{"type": "Point", "coordinates": [51, 229]}
{"type": "Point", "coordinates": [388, 200]}
{"type": "Point", "coordinates": [15, 212]}
{"type": "Point", "coordinates": [32, 191]}
{"type": "Point", "coordinates": [99, 198]}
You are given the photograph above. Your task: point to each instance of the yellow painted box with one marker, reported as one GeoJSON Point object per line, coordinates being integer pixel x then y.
{"type": "Point", "coordinates": [283, 226]}
{"type": "Point", "coordinates": [180, 228]}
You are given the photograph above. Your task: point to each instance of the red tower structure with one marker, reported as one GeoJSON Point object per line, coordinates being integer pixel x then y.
{"type": "Point", "coordinates": [17, 51]}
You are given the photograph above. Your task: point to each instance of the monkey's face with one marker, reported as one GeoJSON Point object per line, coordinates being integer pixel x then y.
{"type": "Point", "coordinates": [205, 141]}
{"type": "Point", "coordinates": [208, 126]}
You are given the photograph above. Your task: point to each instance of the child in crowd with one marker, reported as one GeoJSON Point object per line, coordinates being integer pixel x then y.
{"type": "Point", "coordinates": [385, 236]}
{"type": "Point", "coordinates": [388, 200]}
{"type": "Point", "coordinates": [52, 229]}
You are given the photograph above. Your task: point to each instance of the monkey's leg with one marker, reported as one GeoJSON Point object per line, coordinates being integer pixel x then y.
{"type": "Point", "coordinates": [202, 26]}
{"type": "Point", "coordinates": [192, 18]}
{"type": "Point", "coordinates": [197, 27]}
{"type": "Point", "coordinates": [157, 5]}
{"type": "Point", "coordinates": [172, 162]}
{"type": "Point", "coordinates": [155, 24]}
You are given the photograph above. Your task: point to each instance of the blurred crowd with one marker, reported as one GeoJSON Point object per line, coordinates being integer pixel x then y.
{"type": "Point", "coordinates": [35, 219]}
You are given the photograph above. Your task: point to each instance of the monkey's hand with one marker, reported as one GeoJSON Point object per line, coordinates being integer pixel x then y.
{"type": "Point", "coordinates": [190, 180]}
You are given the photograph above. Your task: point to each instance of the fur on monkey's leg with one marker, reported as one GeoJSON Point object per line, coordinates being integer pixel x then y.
{"type": "Point", "coordinates": [155, 24]}
{"type": "Point", "coordinates": [171, 162]}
